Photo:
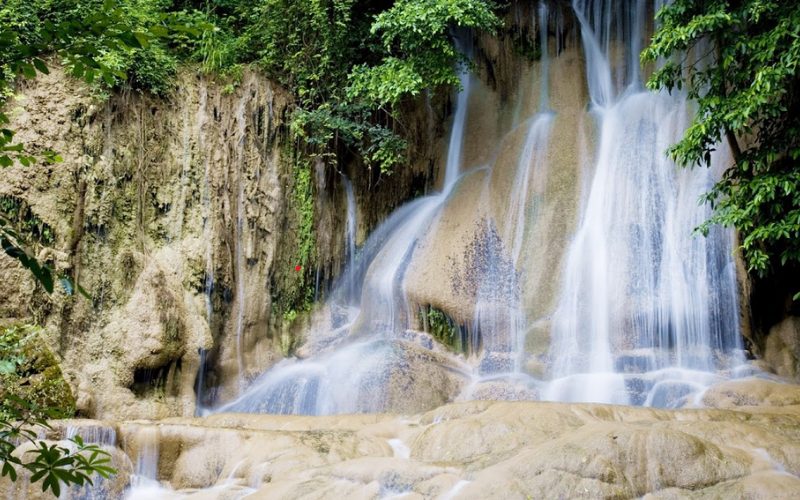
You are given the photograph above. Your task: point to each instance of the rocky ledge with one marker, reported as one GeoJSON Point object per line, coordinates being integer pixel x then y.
{"type": "Point", "coordinates": [747, 446]}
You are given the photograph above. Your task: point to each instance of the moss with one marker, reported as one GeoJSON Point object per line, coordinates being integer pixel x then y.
{"type": "Point", "coordinates": [527, 45]}
{"type": "Point", "coordinates": [443, 328]}
{"type": "Point", "coordinates": [30, 371]}
{"type": "Point", "coordinates": [294, 293]}
{"type": "Point", "coordinates": [30, 227]}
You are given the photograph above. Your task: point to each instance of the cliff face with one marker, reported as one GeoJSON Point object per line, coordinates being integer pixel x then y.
{"type": "Point", "coordinates": [185, 219]}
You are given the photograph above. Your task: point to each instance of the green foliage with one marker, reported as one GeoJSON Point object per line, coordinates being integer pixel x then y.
{"type": "Point", "coordinates": [743, 71]}
{"type": "Point", "coordinates": [298, 294]}
{"type": "Point", "coordinates": [29, 371]}
{"type": "Point", "coordinates": [14, 246]}
{"type": "Point", "coordinates": [419, 51]}
{"type": "Point", "coordinates": [309, 45]}
{"type": "Point", "coordinates": [19, 228]}
{"type": "Point", "coordinates": [51, 464]}
{"type": "Point", "coordinates": [33, 389]}
{"type": "Point", "coordinates": [442, 328]}
{"type": "Point", "coordinates": [349, 63]}
{"type": "Point", "coordinates": [25, 221]}
{"type": "Point", "coordinates": [21, 232]}
{"type": "Point", "coordinates": [351, 124]}
{"type": "Point", "coordinates": [304, 204]}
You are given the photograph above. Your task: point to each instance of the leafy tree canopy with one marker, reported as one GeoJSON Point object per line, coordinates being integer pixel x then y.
{"type": "Point", "coordinates": [418, 50]}
{"type": "Point", "coordinates": [739, 61]}
{"type": "Point", "coordinates": [350, 62]}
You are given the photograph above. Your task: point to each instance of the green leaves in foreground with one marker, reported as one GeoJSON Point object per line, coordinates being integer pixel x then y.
{"type": "Point", "coordinates": [740, 62]}
{"type": "Point", "coordinates": [50, 463]}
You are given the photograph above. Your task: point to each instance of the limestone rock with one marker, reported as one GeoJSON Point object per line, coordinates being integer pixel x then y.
{"type": "Point", "coordinates": [782, 350]}
{"type": "Point", "coordinates": [481, 449]}
{"type": "Point", "coordinates": [752, 392]}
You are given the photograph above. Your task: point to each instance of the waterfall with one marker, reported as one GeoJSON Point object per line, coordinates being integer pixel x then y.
{"type": "Point", "coordinates": [642, 312]}
{"type": "Point", "coordinates": [106, 438]}
{"type": "Point", "coordinates": [646, 306]}
{"type": "Point", "coordinates": [456, 143]}
{"type": "Point", "coordinates": [352, 354]}
{"type": "Point", "coordinates": [144, 482]}
{"type": "Point", "coordinates": [350, 234]}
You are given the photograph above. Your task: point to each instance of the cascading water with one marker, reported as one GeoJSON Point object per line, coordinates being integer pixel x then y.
{"type": "Point", "coordinates": [352, 353]}
{"type": "Point", "coordinates": [499, 317]}
{"type": "Point", "coordinates": [350, 234]}
{"type": "Point", "coordinates": [645, 306]}
{"type": "Point", "coordinates": [456, 144]}
{"type": "Point", "coordinates": [144, 482]}
{"type": "Point", "coordinates": [645, 313]}
{"type": "Point", "coordinates": [106, 438]}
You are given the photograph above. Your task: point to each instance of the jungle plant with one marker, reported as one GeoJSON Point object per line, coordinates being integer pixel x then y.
{"type": "Point", "coordinates": [740, 62]}
{"type": "Point", "coordinates": [33, 390]}
{"type": "Point", "coordinates": [50, 463]}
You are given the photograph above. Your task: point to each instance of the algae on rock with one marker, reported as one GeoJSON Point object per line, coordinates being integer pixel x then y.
{"type": "Point", "coordinates": [30, 371]}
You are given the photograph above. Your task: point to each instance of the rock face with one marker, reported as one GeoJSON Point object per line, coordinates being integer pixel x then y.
{"type": "Point", "coordinates": [182, 219]}
{"type": "Point", "coordinates": [159, 212]}
{"type": "Point", "coordinates": [782, 350]}
{"type": "Point", "coordinates": [481, 450]}
{"type": "Point", "coordinates": [480, 221]}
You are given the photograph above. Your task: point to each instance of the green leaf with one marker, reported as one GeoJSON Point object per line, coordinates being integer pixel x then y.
{"type": "Point", "coordinates": [41, 66]}
{"type": "Point", "coordinates": [142, 38]}
{"type": "Point", "coordinates": [8, 470]}
{"type": "Point", "coordinates": [28, 70]}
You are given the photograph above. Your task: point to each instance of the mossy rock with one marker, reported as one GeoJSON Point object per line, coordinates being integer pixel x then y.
{"type": "Point", "coordinates": [30, 371]}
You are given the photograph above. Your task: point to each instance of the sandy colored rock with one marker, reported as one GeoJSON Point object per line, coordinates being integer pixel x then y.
{"type": "Point", "coordinates": [782, 350]}
{"type": "Point", "coordinates": [472, 240]}
{"type": "Point", "coordinates": [180, 218]}
{"type": "Point", "coordinates": [752, 392]}
{"type": "Point", "coordinates": [478, 450]}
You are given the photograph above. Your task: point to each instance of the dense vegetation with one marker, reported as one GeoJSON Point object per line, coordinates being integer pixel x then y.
{"type": "Point", "coordinates": [743, 70]}
{"type": "Point", "coordinates": [347, 62]}
{"type": "Point", "coordinates": [350, 64]}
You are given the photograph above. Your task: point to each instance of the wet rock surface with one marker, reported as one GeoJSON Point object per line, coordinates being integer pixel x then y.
{"type": "Point", "coordinates": [480, 449]}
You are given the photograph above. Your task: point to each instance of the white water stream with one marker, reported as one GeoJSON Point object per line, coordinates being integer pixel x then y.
{"type": "Point", "coordinates": [646, 312]}
{"type": "Point", "coordinates": [352, 354]}
{"type": "Point", "coordinates": [646, 306]}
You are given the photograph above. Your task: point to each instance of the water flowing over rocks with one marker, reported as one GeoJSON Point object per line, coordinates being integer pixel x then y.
{"type": "Point", "coordinates": [478, 450]}
{"type": "Point", "coordinates": [180, 217]}
{"type": "Point", "coordinates": [547, 255]}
